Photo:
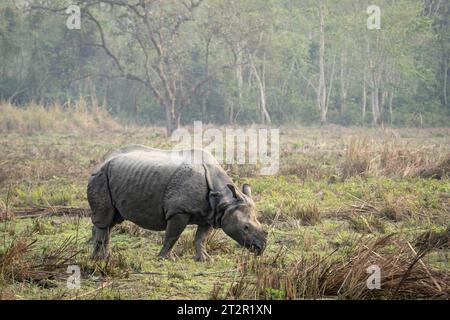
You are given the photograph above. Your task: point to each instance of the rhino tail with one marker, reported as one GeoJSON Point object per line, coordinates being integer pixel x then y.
{"type": "Point", "coordinates": [99, 198]}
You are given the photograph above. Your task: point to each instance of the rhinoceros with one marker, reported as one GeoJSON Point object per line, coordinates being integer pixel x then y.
{"type": "Point", "coordinates": [166, 190]}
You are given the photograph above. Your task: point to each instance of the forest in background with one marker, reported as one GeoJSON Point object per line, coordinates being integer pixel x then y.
{"type": "Point", "coordinates": [232, 62]}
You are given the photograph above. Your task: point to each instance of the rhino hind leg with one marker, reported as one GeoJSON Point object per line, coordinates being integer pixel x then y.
{"type": "Point", "coordinates": [175, 226]}
{"type": "Point", "coordinates": [102, 238]}
{"type": "Point", "coordinates": [104, 215]}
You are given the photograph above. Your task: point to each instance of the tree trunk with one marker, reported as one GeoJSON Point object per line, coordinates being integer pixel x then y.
{"type": "Point", "coordinates": [391, 99]}
{"type": "Point", "coordinates": [364, 111]}
{"type": "Point", "coordinates": [383, 95]}
{"type": "Point", "coordinates": [322, 88]}
{"type": "Point", "coordinates": [265, 117]}
{"type": "Point", "coordinates": [374, 87]}
{"type": "Point", "coordinates": [375, 105]}
{"type": "Point", "coordinates": [445, 55]}
{"type": "Point", "coordinates": [240, 84]}
{"type": "Point", "coordinates": [172, 118]}
{"type": "Point", "coordinates": [445, 74]}
{"type": "Point", "coordinates": [208, 88]}
{"type": "Point", "coordinates": [344, 89]}
{"type": "Point", "coordinates": [231, 113]}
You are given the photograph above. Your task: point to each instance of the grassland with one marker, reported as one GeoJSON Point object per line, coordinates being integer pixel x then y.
{"type": "Point", "coordinates": [344, 199]}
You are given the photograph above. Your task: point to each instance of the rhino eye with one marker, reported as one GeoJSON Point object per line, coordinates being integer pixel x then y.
{"type": "Point", "coordinates": [246, 227]}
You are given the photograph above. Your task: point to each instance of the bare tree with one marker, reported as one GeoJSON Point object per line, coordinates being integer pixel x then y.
{"type": "Point", "coordinates": [265, 117]}
{"type": "Point", "coordinates": [158, 43]}
{"type": "Point", "coordinates": [374, 81]}
{"type": "Point", "coordinates": [322, 87]}
{"type": "Point", "coordinates": [343, 78]}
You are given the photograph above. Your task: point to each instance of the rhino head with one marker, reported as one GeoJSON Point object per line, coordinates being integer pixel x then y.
{"type": "Point", "coordinates": [239, 219]}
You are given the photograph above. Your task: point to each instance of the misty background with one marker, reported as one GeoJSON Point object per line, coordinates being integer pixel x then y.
{"type": "Point", "coordinates": [232, 62]}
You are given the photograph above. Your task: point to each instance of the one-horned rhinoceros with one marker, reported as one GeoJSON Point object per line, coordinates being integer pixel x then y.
{"type": "Point", "coordinates": [168, 190]}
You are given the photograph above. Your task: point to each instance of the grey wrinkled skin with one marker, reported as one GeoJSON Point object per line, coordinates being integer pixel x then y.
{"type": "Point", "coordinates": [159, 190]}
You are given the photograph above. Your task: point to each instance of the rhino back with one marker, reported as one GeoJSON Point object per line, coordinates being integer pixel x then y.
{"type": "Point", "coordinates": [137, 182]}
{"type": "Point", "coordinates": [147, 186]}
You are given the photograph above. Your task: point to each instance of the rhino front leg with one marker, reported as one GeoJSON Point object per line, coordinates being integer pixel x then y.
{"type": "Point", "coordinates": [200, 236]}
{"type": "Point", "coordinates": [175, 226]}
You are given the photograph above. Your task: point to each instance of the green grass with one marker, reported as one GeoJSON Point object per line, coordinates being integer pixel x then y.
{"type": "Point", "coordinates": [51, 170]}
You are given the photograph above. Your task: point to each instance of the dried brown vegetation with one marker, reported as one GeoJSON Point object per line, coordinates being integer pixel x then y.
{"type": "Point", "coordinates": [432, 239]}
{"type": "Point", "coordinates": [131, 229]}
{"type": "Point", "coordinates": [309, 215]}
{"type": "Point", "coordinates": [403, 274]}
{"type": "Point", "coordinates": [216, 242]}
{"type": "Point", "coordinates": [390, 157]}
{"type": "Point", "coordinates": [80, 116]}
{"type": "Point", "coordinates": [437, 171]}
{"type": "Point", "coordinates": [24, 262]}
{"type": "Point", "coordinates": [367, 224]}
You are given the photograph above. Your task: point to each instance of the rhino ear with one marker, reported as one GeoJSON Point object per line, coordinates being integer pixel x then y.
{"type": "Point", "coordinates": [235, 193]}
{"type": "Point", "coordinates": [247, 190]}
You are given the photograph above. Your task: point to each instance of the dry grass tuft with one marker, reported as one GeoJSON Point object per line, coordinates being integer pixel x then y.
{"type": "Point", "coordinates": [305, 168]}
{"type": "Point", "coordinates": [22, 262]}
{"type": "Point", "coordinates": [215, 243]}
{"type": "Point", "coordinates": [116, 266]}
{"type": "Point", "coordinates": [431, 239]}
{"type": "Point", "coordinates": [5, 212]}
{"type": "Point", "coordinates": [309, 215]}
{"type": "Point", "coordinates": [398, 208]}
{"type": "Point", "coordinates": [403, 275]}
{"type": "Point", "coordinates": [357, 159]}
{"type": "Point", "coordinates": [387, 206]}
{"type": "Point", "coordinates": [367, 224]}
{"type": "Point", "coordinates": [437, 171]}
{"type": "Point", "coordinates": [79, 116]}
{"type": "Point", "coordinates": [5, 209]}
{"type": "Point", "coordinates": [130, 228]}
{"type": "Point", "coordinates": [12, 262]}
{"type": "Point", "coordinates": [364, 157]}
